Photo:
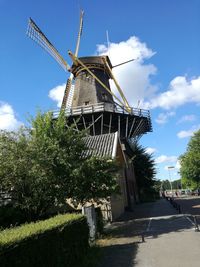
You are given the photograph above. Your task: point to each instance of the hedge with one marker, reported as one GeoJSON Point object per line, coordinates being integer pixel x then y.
{"type": "Point", "coordinates": [59, 241]}
{"type": "Point", "coordinates": [11, 216]}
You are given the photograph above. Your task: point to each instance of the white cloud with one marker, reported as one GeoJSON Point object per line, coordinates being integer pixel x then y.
{"type": "Point", "coordinates": [163, 117]}
{"type": "Point", "coordinates": [8, 120]}
{"type": "Point", "coordinates": [181, 91]}
{"type": "Point", "coordinates": [188, 133]}
{"type": "Point", "coordinates": [187, 118]}
{"type": "Point", "coordinates": [164, 158]}
{"type": "Point", "coordinates": [56, 94]}
{"type": "Point", "coordinates": [133, 77]}
{"type": "Point", "coordinates": [150, 150]}
{"type": "Point", "coordinates": [178, 165]}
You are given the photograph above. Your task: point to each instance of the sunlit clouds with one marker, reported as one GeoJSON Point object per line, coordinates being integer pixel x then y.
{"type": "Point", "coordinates": [8, 120]}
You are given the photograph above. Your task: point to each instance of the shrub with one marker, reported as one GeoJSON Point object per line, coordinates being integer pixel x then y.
{"type": "Point", "coordinates": [59, 241]}
{"type": "Point", "coordinates": [11, 216]}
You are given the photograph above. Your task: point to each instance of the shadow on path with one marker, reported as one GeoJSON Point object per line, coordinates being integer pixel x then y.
{"type": "Point", "coordinates": [119, 255]}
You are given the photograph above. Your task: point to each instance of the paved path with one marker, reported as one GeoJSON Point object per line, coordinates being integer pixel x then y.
{"type": "Point", "coordinates": [170, 239]}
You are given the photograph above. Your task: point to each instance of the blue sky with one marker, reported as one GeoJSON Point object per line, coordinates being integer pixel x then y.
{"type": "Point", "coordinates": [162, 35]}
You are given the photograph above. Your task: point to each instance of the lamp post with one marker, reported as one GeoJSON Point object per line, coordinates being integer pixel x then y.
{"type": "Point", "coordinates": [180, 181]}
{"type": "Point", "coordinates": [170, 168]}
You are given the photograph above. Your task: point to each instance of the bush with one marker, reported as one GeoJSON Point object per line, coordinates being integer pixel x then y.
{"type": "Point", "coordinates": [59, 241]}
{"type": "Point", "coordinates": [11, 216]}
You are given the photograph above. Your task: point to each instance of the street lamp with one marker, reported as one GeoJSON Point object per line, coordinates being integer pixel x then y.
{"type": "Point", "coordinates": [170, 168]}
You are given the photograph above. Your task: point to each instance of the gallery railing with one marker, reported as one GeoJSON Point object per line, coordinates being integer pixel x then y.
{"type": "Point", "coordinates": [102, 107]}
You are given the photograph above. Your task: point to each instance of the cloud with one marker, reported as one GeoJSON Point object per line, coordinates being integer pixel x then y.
{"type": "Point", "coordinates": [56, 94]}
{"type": "Point", "coordinates": [8, 120]}
{"type": "Point", "coordinates": [188, 133]}
{"type": "Point", "coordinates": [164, 158]}
{"type": "Point", "coordinates": [181, 91]}
{"type": "Point", "coordinates": [187, 118]}
{"type": "Point", "coordinates": [178, 165]}
{"type": "Point", "coordinates": [150, 150]}
{"type": "Point", "coordinates": [133, 77]}
{"type": "Point", "coordinates": [163, 117]}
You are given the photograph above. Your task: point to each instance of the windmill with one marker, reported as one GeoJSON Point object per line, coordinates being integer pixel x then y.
{"type": "Point", "coordinates": [95, 107]}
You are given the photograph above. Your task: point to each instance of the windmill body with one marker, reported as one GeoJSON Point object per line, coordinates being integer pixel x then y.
{"type": "Point", "coordinates": [87, 90]}
{"type": "Point", "coordinates": [94, 107]}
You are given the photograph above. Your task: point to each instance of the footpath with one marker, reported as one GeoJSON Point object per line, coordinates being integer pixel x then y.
{"type": "Point", "coordinates": [153, 235]}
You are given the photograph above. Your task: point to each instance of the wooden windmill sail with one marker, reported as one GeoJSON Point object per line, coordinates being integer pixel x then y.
{"type": "Point", "coordinates": [39, 37]}
{"type": "Point", "coordinates": [94, 104]}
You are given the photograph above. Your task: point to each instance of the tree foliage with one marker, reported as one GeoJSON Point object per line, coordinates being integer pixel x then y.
{"type": "Point", "coordinates": [43, 165]}
{"type": "Point", "coordinates": [190, 161]}
{"type": "Point", "coordinates": [145, 171]}
{"type": "Point", "coordinates": [97, 177]}
{"type": "Point", "coordinates": [166, 184]}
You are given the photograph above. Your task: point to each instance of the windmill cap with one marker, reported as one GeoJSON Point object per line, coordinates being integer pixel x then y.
{"type": "Point", "coordinates": [90, 62]}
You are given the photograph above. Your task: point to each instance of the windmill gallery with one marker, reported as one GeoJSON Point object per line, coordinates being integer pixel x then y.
{"type": "Point", "coordinates": [112, 125]}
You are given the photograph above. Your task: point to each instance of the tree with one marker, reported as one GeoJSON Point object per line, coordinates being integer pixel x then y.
{"type": "Point", "coordinates": [145, 171]}
{"type": "Point", "coordinates": [190, 161]}
{"type": "Point", "coordinates": [43, 165]}
{"type": "Point", "coordinates": [166, 185]}
{"type": "Point", "coordinates": [97, 179]}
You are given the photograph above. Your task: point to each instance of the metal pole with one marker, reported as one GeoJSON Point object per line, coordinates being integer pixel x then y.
{"type": "Point", "coordinates": [170, 180]}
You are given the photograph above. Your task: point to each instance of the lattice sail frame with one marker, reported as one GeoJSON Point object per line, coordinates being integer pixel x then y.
{"type": "Point", "coordinates": [38, 36]}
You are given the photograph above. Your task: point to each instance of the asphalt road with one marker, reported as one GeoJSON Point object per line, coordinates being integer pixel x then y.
{"type": "Point", "coordinates": [169, 241]}
{"type": "Point", "coordinates": [190, 205]}
{"type": "Point", "coordinates": [154, 235]}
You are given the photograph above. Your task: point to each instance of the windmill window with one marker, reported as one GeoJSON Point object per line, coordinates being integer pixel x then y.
{"type": "Point", "coordinates": [104, 96]}
{"type": "Point", "coordinates": [87, 75]}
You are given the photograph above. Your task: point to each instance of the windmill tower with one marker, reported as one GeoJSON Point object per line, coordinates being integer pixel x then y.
{"type": "Point", "coordinates": [94, 106]}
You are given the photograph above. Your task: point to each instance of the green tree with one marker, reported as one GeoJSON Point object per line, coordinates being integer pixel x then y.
{"type": "Point", "coordinates": [176, 184]}
{"type": "Point", "coordinates": [43, 165]}
{"type": "Point", "coordinates": [190, 161]}
{"type": "Point", "coordinates": [145, 171]}
{"type": "Point", "coordinates": [97, 179]}
{"type": "Point", "coordinates": [166, 185]}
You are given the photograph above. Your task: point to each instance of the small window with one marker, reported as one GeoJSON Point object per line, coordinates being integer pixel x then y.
{"type": "Point", "coordinates": [87, 75]}
{"type": "Point", "coordinates": [104, 96]}
{"type": "Point", "coordinates": [87, 103]}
